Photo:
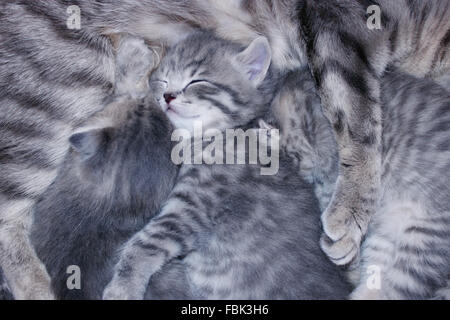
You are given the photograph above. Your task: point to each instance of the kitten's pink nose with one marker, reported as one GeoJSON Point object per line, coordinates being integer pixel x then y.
{"type": "Point", "coordinates": [169, 96]}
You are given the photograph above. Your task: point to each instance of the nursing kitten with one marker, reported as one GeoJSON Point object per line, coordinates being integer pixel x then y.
{"type": "Point", "coordinates": [113, 181]}
{"type": "Point", "coordinates": [240, 234]}
{"type": "Point", "coordinates": [348, 45]}
{"type": "Point", "coordinates": [408, 242]}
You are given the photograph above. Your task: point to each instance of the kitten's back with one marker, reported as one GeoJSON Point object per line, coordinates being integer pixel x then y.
{"type": "Point", "coordinates": [111, 184]}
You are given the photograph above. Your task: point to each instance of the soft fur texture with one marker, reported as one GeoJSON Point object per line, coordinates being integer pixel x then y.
{"type": "Point", "coordinates": [408, 239]}
{"type": "Point", "coordinates": [53, 78]}
{"type": "Point", "coordinates": [240, 234]}
{"type": "Point", "coordinates": [113, 181]}
{"type": "Point", "coordinates": [111, 184]}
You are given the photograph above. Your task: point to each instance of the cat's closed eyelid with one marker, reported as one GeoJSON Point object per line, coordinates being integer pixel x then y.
{"type": "Point", "coordinates": [199, 81]}
{"type": "Point", "coordinates": [157, 80]}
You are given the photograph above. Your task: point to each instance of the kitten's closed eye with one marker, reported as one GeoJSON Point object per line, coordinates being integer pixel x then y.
{"type": "Point", "coordinates": [197, 81]}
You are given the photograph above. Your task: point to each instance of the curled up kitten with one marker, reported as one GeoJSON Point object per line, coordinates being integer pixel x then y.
{"type": "Point", "coordinates": [112, 182]}
{"type": "Point", "coordinates": [240, 234]}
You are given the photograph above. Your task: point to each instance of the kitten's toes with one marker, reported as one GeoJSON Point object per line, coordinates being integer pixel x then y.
{"type": "Point", "coordinates": [341, 252]}
{"type": "Point", "coordinates": [336, 220]}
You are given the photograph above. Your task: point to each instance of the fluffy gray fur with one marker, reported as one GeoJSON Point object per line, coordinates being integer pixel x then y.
{"type": "Point", "coordinates": [347, 60]}
{"type": "Point", "coordinates": [113, 181]}
{"type": "Point", "coordinates": [241, 235]}
{"type": "Point", "coordinates": [408, 239]}
{"type": "Point", "coordinates": [53, 78]}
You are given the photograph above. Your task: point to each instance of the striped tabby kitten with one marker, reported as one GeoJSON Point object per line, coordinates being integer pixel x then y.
{"type": "Point", "coordinates": [111, 184]}
{"type": "Point", "coordinates": [113, 181]}
{"type": "Point", "coordinates": [241, 235]}
{"type": "Point", "coordinates": [347, 59]}
{"type": "Point", "coordinates": [408, 242]}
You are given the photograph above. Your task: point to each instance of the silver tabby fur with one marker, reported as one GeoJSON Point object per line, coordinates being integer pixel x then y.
{"type": "Point", "coordinates": [239, 234]}
{"type": "Point", "coordinates": [53, 78]}
{"type": "Point", "coordinates": [408, 240]}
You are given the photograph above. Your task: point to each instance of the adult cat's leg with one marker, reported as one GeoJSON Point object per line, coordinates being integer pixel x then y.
{"type": "Point", "coordinates": [24, 272]}
{"type": "Point", "coordinates": [349, 88]}
{"type": "Point", "coordinates": [405, 256]}
{"type": "Point", "coordinates": [30, 153]}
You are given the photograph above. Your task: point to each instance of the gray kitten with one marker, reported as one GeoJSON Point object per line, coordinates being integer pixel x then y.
{"type": "Point", "coordinates": [406, 254]}
{"type": "Point", "coordinates": [111, 184]}
{"type": "Point", "coordinates": [240, 234]}
{"type": "Point", "coordinates": [114, 179]}
{"type": "Point", "coordinates": [348, 45]}
{"type": "Point", "coordinates": [53, 77]}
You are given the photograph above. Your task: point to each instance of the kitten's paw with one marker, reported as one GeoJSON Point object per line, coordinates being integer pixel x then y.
{"type": "Point", "coordinates": [341, 252]}
{"type": "Point", "coordinates": [117, 291]}
{"type": "Point", "coordinates": [344, 228]}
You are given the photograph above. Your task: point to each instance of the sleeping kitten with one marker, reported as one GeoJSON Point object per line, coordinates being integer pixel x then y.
{"type": "Point", "coordinates": [113, 181]}
{"type": "Point", "coordinates": [240, 234]}
{"type": "Point", "coordinates": [111, 184]}
{"type": "Point", "coordinates": [408, 244]}
{"type": "Point", "coordinates": [347, 54]}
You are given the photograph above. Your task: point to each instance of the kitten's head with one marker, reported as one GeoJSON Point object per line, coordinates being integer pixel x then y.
{"type": "Point", "coordinates": [123, 155]}
{"type": "Point", "coordinates": [216, 82]}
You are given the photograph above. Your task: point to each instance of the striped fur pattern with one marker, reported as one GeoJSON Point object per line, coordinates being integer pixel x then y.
{"type": "Point", "coordinates": [209, 83]}
{"type": "Point", "coordinates": [408, 240]}
{"type": "Point", "coordinates": [240, 235]}
{"type": "Point", "coordinates": [113, 181]}
{"type": "Point", "coordinates": [52, 78]}
{"type": "Point", "coordinates": [347, 60]}
{"type": "Point", "coordinates": [111, 184]}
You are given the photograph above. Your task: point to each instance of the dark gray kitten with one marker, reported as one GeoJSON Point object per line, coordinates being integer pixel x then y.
{"type": "Point", "coordinates": [111, 184]}
{"type": "Point", "coordinates": [240, 234]}
{"type": "Point", "coordinates": [113, 181]}
{"type": "Point", "coordinates": [406, 254]}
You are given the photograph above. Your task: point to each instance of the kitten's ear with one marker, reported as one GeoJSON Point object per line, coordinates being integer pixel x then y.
{"type": "Point", "coordinates": [255, 60]}
{"type": "Point", "coordinates": [87, 143]}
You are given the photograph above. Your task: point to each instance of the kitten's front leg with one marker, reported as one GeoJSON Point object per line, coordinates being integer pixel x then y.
{"type": "Point", "coordinates": [350, 91]}
{"type": "Point", "coordinates": [146, 253]}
